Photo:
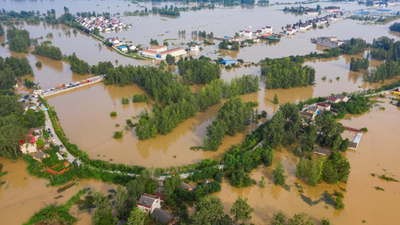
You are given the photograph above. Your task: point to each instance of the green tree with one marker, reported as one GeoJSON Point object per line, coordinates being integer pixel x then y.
{"type": "Point", "coordinates": [103, 214]}
{"type": "Point", "coordinates": [301, 219]}
{"type": "Point", "coordinates": [278, 219]}
{"type": "Point", "coordinates": [121, 198]}
{"type": "Point", "coordinates": [325, 221]}
{"type": "Point", "coordinates": [137, 217]}
{"type": "Point", "coordinates": [276, 100]}
{"type": "Point", "coordinates": [241, 210]}
{"type": "Point", "coordinates": [171, 184]}
{"type": "Point", "coordinates": [40, 143]}
{"type": "Point", "coordinates": [170, 59]}
{"type": "Point", "coordinates": [18, 40]}
{"type": "Point", "coordinates": [274, 131]}
{"type": "Point", "coordinates": [262, 182]}
{"type": "Point", "coordinates": [279, 174]}
{"type": "Point", "coordinates": [339, 203]}
{"type": "Point", "coordinates": [209, 210]}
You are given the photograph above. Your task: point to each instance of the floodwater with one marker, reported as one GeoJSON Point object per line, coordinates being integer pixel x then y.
{"type": "Point", "coordinates": [378, 153]}
{"type": "Point", "coordinates": [22, 195]}
{"type": "Point", "coordinates": [84, 112]}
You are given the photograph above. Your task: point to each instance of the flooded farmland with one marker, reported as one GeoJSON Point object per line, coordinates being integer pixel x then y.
{"type": "Point", "coordinates": [85, 112]}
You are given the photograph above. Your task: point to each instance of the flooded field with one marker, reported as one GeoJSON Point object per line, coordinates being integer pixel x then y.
{"type": "Point", "coordinates": [378, 153]}
{"type": "Point", "coordinates": [22, 195]}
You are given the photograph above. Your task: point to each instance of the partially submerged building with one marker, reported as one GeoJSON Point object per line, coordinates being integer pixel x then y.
{"type": "Point", "coordinates": [331, 42]}
{"type": "Point", "coordinates": [161, 52]}
{"type": "Point", "coordinates": [149, 203]}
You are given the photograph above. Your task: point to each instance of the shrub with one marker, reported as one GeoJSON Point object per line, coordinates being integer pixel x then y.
{"type": "Point", "coordinates": [118, 134]}
{"type": "Point", "coordinates": [112, 114]}
{"type": "Point", "coordinates": [38, 64]}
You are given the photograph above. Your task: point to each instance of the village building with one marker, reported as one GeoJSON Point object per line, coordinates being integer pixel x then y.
{"type": "Point", "coordinates": [333, 99]}
{"type": "Point", "coordinates": [148, 202]}
{"type": "Point", "coordinates": [123, 48]}
{"type": "Point", "coordinates": [247, 34]}
{"type": "Point", "coordinates": [163, 217]}
{"type": "Point", "coordinates": [268, 30]}
{"type": "Point", "coordinates": [161, 52]}
{"type": "Point", "coordinates": [312, 13]}
{"type": "Point", "coordinates": [40, 156]}
{"type": "Point", "coordinates": [29, 147]}
{"type": "Point", "coordinates": [342, 98]}
{"type": "Point", "coordinates": [186, 186]}
{"type": "Point", "coordinates": [132, 47]}
{"type": "Point", "coordinates": [194, 48]}
{"type": "Point", "coordinates": [331, 42]}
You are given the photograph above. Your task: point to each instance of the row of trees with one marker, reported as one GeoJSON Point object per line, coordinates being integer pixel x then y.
{"type": "Point", "coordinates": [357, 64]}
{"type": "Point", "coordinates": [231, 118]}
{"type": "Point", "coordinates": [48, 51]}
{"type": "Point", "coordinates": [1, 30]}
{"type": "Point", "coordinates": [283, 73]}
{"type": "Point", "coordinates": [198, 71]}
{"type": "Point", "coordinates": [18, 40]}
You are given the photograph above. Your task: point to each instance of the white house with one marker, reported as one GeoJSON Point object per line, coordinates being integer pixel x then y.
{"type": "Point", "coordinates": [148, 203]}
{"type": "Point", "coordinates": [312, 14]}
{"type": "Point", "coordinates": [331, 42]}
{"type": "Point", "coordinates": [268, 30]}
{"type": "Point", "coordinates": [248, 34]}
{"type": "Point", "coordinates": [194, 48]}
{"type": "Point", "coordinates": [132, 47]}
{"type": "Point", "coordinates": [290, 31]}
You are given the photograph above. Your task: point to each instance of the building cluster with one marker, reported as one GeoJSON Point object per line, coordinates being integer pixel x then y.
{"type": "Point", "coordinates": [307, 25]}
{"type": "Point", "coordinates": [317, 108]}
{"type": "Point", "coordinates": [102, 24]}
{"type": "Point", "coordinates": [258, 33]}
{"type": "Point", "coordinates": [161, 52]}
{"type": "Point", "coordinates": [331, 42]}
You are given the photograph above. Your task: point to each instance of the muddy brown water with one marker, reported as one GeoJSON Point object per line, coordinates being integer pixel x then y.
{"type": "Point", "coordinates": [22, 195]}
{"type": "Point", "coordinates": [84, 112]}
{"type": "Point", "coordinates": [378, 153]}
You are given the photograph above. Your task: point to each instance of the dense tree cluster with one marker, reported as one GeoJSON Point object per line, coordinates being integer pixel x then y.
{"type": "Point", "coordinates": [18, 40]}
{"type": "Point", "coordinates": [101, 67]}
{"type": "Point", "coordinates": [168, 12]}
{"type": "Point", "coordinates": [14, 125]}
{"type": "Point", "coordinates": [356, 105]}
{"type": "Point", "coordinates": [241, 160]}
{"type": "Point", "coordinates": [395, 27]}
{"type": "Point", "coordinates": [78, 65]}
{"type": "Point", "coordinates": [48, 51]}
{"type": "Point", "coordinates": [229, 45]}
{"type": "Point", "coordinates": [140, 98]}
{"type": "Point", "coordinates": [231, 118]}
{"type": "Point", "coordinates": [333, 169]}
{"type": "Point", "coordinates": [357, 64]}
{"type": "Point", "coordinates": [11, 68]}
{"type": "Point", "coordinates": [354, 47]}
{"type": "Point", "coordinates": [240, 86]}
{"type": "Point", "coordinates": [283, 73]}
{"type": "Point", "coordinates": [198, 71]}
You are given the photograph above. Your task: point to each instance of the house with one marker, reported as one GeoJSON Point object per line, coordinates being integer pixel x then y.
{"type": "Point", "coordinates": [333, 99]}
{"type": "Point", "coordinates": [186, 186]}
{"type": "Point", "coordinates": [40, 155]}
{"type": "Point", "coordinates": [161, 48]}
{"type": "Point", "coordinates": [194, 48]}
{"type": "Point", "coordinates": [155, 53]}
{"type": "Point", "coordinates": [148, 203]}
{"type": "Point", "coordinates": [331, 42]}
{"type": "Point", "coordinates": [289, 32]}
{"type": "Point", "coordinates": [322, 106]}
{"type": "Point", "coordinates": [163, 217]}
{"type": "Point", "coordinates": [132, 47]}
{"type": "Point", "coordinates": [123, 48]}
{"type": "Point", "coordinates": [342, 98]}
{"type": "Point", "coordinates": [248, 34]}
{"type": "Point", "coordinates": [312, 13]}
{"type": "Point", "coordinates": [29, 147]}
{"type": "Point", "coordinates": [268, 30]}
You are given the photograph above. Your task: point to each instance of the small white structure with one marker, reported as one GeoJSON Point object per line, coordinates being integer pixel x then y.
{"type": "Point", "coordinates": [148, 203]}
{"type": "Point", "coordinates": [312, 14]}
{"type": "Point", "coordinates": [194, 48]}
{"type": "Point", "coordinates": [290, 32]}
